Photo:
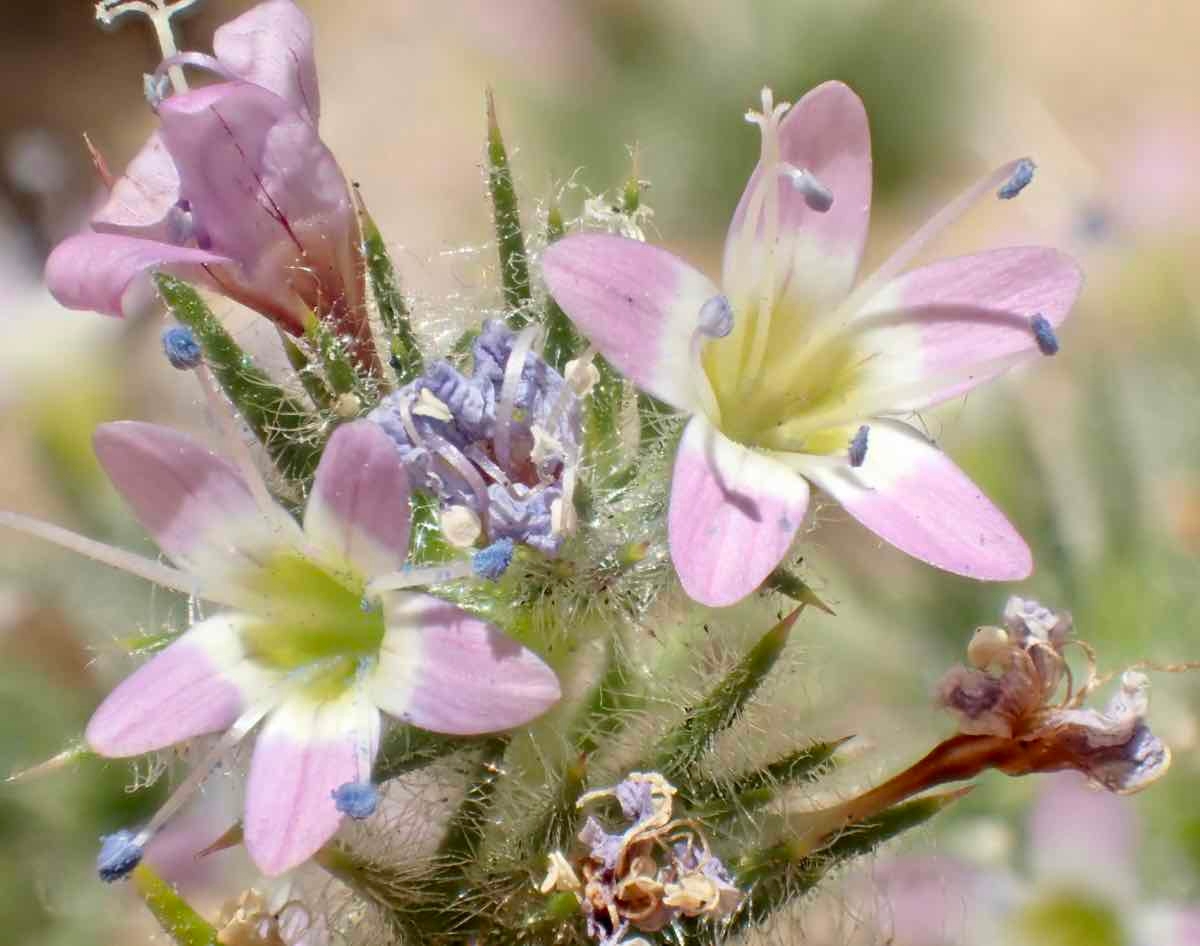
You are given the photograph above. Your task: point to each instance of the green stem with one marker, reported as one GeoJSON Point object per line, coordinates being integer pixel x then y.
{"type": "Point", "coordinates": [510, 241]}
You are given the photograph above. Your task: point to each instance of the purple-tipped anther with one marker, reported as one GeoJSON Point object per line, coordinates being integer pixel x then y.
{"type": "Point", "coordinates": [119, 854]}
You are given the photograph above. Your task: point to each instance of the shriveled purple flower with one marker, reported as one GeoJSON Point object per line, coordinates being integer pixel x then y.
{"type": "Point", "coordinates": [235, 191]}
{"type": "Point", "coordinates": [500, 443]}
{"type": "Point", "coordinates": [1009, 692]}
{"type": "Point", "coordinates": [647, 875]}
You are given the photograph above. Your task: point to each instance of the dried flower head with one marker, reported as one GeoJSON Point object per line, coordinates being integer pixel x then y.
{"type": "Point", "coordinates": [643, 877]}
{"type": "Point", "coordinates": [1009, 689]}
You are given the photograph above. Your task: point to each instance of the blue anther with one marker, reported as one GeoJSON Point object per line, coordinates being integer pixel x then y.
{"type": "Point", "coordinates": [1043, 332]}
{"type": "Point", "coordinates": [119, 854]}
{"type": "Point", "coordinates": [716, 317]}
{"type": "Point", "coordinates": [356, 800]}
{"type": "Point", "coordinates": [181, 348]}
{"type": "Point", "coordinates": [1021, 176]}
{"type": "Point", "coordinates": [858, 446]}
{"type": "Point", "coordinates": [492, 562]}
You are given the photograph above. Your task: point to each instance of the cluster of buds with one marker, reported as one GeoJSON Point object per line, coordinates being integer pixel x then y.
{"type": "Point", "coordinates": [645, 877]}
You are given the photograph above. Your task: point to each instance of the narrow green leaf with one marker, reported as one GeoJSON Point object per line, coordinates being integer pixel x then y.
{"type": "Point", "coordinates": [510, 241]}
{"type": "Point", "coordinates": [604, 409]}
{"type": "Point", "coordinates": [562, 342]}
{"type": "Point", "coordinates": [339, 369]}
{"type": "Point", "coordinates": [321, 396]}
{"type": "Point", "coordinates": [280, 422]}
{"type": "Point", "coordinates": [178, 920]}
{"type": "Point", "coordinates": [679, 751]}
{"type": "Point", "coordinates": [405, 353]}
{"type": "Point", "coordinates": [778, 873]}
{"type": "Point", "coordinates": [751, 790]}
{"type": "Point", "coordinates": [788, 583]}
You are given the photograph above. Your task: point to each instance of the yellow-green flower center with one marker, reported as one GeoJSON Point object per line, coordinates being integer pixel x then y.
{"type": "Point", "coordinates": [310, 615]}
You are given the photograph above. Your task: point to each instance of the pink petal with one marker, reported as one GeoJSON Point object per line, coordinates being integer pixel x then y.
{"type": "Point", "coordinates": [272, 45]}
{"type": "Point", "coordinates": [199, 684]}
{"type": "Point", "coordinates": [638, 304]}
{"type": "Point", "coordinates": [265, 191]}
{"type": "Point", "coordinates": [305, 751]}
{"type": "Point", "coordinates": [734, 514]}
{"type": "Point", "coordinates": [142, 196]}
{"type": "Point", "coordinates": [359, 506]}
{"type": "Point", "coordinates": [194, 503]}
{"type": "Point", "coordinates": [939, 331]}
{"type": "Point", "coordinates": [825, 133]}
{"type": "Point", "coordinates": [101, 272]}
{"type": "Point", "coordinates": [912, 495]}
{"type": "Point", "coordinates": [446, 671]}
{"type": "Point", "coordinates": [1082, 836]}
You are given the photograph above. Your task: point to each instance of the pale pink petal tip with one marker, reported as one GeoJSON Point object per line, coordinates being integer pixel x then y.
{"type": "Point", "coordinates": [734, 514]}
{"type": "Point", "coordinates": [914, 497]}
{"type": "Point", "coordinates": [444, 670]}
{"type": "Point", "coordinates": [304, 754]}
{"type": "Point", "coordinates": [638, 304]}
{"type": "Point", "coordinates": [189, 689]}
{"type": "Point", "coordinates": [358, 512]}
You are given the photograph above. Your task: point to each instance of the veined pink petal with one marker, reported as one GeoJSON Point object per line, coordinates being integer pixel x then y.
{"type": "Point", "coordinates": [825, 133]}
{"type": "Point", "coordinates": [358, 510]}
{"type": "Point", "coordinates": [638, 304]}
{"type": "Point", "coordinates": [271, 45]}
{"type": "Point", "coordinates": [265, 191]}
{"type": "Point", "coordinates": [912, 495]}
{"type": "Point", "coordinates": [305, 750]}
{"type": "Point", "coordinates": [141, 197]}
{"type": "Point", "coordinates": [938, 331]}
{"type": "Point", "coordinates": [193, 502]}
{"type": "Point", "coordinates": [734, 514]}
{"type": "Point", "coordinates": [446, 671]}
{"type": "Point", "coordinates": [1083, 837]}
{"type": "Point", "coordinates": [100, 272]}
{"type": "Point", "coordinates": [199, 684]}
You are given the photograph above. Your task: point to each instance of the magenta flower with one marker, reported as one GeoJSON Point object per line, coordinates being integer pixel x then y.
{"type": "Point", "coordinates": [1082, 877]}
{"type": "Point", "coordinates": [793, 379]}
{"type": "Point", "coordinates": [235, 191]}
{"type": "Point", "coordinates": [315, 641]}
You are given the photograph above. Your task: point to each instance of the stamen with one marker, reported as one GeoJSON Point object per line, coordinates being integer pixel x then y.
{"type": "Point", "coordinates": [181, 348]}
{"type": "Point", "coordinates": [1043, 332]}
{"type": "Point", "coordinates": [580, 376]}
{"type": "Point", "coordinates": [933, 228]}
{"type": "Point", "coordinates": [858, 446]}
{"type": "Point", "coordinates": [109, 13]}
{"type": "Point", "coordinates": [476, 455]}
{"type": "Point", "coordinates": [455, 459]}
{"type": "Point", "coordinates": [513, 370]}
{"type": "Point", "coordinates": [413, 577]}
{"type": "Point", "coordinates": [1021, 176]}
{"type": "Point", "coordinates": [119, 855]}
{"type": "Point", "coordinates": [357, 800]}
{"type": "Point", "coordinates": [128, 562]}
{"type": "Point", "coordinates": [816, 195]}
{"type": "Point", "coordinates": [492, 562]}
{"type": "Point", "coordinates": [716, 317]}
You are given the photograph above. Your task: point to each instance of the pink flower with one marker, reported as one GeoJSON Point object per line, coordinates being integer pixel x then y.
{"type": "Point", "coordinates": [235, 191]}
{"type": "Point", "coordinates": [793, 379]}
{"type": "Point", "coordinates": [313, 643]}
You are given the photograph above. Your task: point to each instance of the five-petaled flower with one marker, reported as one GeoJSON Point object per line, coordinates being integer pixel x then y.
{"type": "Point", "coordinates": [793, 378]}
{"type": "Point", "coordinates": [235, 191]}
{"type": "Point", "coordinates": [305, 641]}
